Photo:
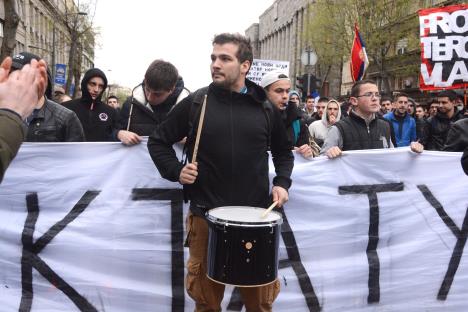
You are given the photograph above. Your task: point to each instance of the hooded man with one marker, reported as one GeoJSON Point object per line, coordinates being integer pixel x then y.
{"type": "Point", "coordinates": [319, 129]}
{"type": "Point", "coordinates": [99, 120]}
{"type": "Point", "coordinates": [150, 102]}
{"type": "Point", "coordinates": [49, 121]}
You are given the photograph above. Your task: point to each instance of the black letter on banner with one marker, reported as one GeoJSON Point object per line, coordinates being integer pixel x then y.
{"type": "Point", "coordinates": [294, 260]}
{"type": "Point", "coordinates": [372, 255]}
{"type": "Point", "coordinates": [177, 237]}
{"type": "Point", "coordinates": [461, 236]}
{"type": "Point", "coordinates": [30, 258]}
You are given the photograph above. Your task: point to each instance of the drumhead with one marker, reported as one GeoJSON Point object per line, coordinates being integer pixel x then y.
{"type": "Point", "coordinates": [243, 215]}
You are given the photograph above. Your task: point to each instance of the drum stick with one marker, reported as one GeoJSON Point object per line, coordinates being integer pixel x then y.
{"type": "Point", "coordinates": [266, 212]}
{"type": "Point", "coordinates": [200, 126]}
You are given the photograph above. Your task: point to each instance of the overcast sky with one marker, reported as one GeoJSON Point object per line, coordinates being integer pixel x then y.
{"type": "Point", "coordinates": [134, 33]}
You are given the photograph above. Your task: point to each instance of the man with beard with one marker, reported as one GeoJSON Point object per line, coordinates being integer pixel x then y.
{"type": "Point", "coordinates": [440, 124]}
{"type": "Point", "coordinates": [231, 168]}
{"type": "Point", "coordinates": [150, 102]}
{"type": "Point", "coordinates": [403, 125]}
{"type": "Point", "coordinates": [98, 119]}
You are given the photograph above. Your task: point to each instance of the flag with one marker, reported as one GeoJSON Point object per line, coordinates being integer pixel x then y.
{"type": "Point", "coordinates": [359, 60]}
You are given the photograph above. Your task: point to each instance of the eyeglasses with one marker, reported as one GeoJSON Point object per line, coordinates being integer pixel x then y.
{"type": "Point", "coordinates": [377, 95]}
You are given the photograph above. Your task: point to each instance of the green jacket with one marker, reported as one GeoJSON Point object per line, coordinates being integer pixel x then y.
{"type": "Point", "coordinates": [12, 133]}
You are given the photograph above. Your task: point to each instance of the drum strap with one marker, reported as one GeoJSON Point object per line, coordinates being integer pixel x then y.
{"type": "Point", "coordinates": [195, 110]}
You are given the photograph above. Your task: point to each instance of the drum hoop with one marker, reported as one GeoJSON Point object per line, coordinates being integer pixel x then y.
{"type": "Point", "coordinates": [245, 223]}
{"type": "Point", "coordinates": [226, 284]}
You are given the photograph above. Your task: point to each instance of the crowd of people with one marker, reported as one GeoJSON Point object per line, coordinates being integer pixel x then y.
{"type": "Point", "coordinates": [239, 122]}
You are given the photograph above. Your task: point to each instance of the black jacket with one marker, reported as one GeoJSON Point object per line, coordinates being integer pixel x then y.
{"type": "Point", "coordinates": [438, 128]}
{"type": "Point", "coordinates": [357, 135]}
{"type": "Point", "coordinates": [457, 138]}
{"type": "Point", "coordinates": [99, 120]}
{"type": "Point", "coordinates": [464, 161]}
{"type": "Point", "coordinates": [289, 116]}
{"type": "Point", "coordinates": [54, 123]}
{"type": "Point", "coordinates": [233, 151]}
{"type": "Point", "coordinates": [145, 117]}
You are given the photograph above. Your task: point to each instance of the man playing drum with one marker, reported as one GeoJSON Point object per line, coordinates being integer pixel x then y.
{"type": "Point", "coordinates": [231, 167]}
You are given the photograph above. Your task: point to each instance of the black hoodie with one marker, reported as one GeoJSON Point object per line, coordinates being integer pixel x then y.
{"type": "Point", "coordinates": [98, 119]}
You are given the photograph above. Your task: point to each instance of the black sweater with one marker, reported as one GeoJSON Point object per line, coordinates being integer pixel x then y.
{"type": "Point", "coordinates": [233, 151]}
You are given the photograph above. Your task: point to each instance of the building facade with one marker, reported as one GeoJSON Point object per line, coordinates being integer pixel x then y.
{"type": "Point", "coordinates": [42, 31]}
{"type": "Point", "coordinates": [282, 34]}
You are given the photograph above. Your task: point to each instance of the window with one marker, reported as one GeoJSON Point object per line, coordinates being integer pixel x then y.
{"type": "Point", "coordinates": [402, 46]}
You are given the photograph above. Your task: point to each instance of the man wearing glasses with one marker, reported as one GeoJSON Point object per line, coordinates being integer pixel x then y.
{"type": "Point", "coordinates": [361, 129]}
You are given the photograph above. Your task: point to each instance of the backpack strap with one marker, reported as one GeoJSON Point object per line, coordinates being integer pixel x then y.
{"type": "Point", "coordinates": [268, 111]}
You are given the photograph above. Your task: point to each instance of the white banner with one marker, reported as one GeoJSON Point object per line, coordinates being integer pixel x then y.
{"type": "Point", "coordinates": [260, 68]}
{"type": "Point", "coordinates": [93, 227]}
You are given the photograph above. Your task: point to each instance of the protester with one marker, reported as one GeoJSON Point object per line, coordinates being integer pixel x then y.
{"type": "Point", "coordinates": [63, 98]}
{"type": "Point", "coordinates": [361, 129]}
{"type": "Point", "coordinates": [439, 125]}
{"type": "Point", "coordinates": [320, 107]}
{"type": "Point", "coordinates": [457, 137]}
{"type": "Point", "coordinates": [19, 91]}
{"type": "Point", "coordinates": [464, 161]}
{"type": "Point", "coordinates": [99, 121]}
{"type": "Point", "coordinates": [411, 107]}
{"type": "Point", "coordinates": [49, 121]}
{"type": "Point", "coordinates": [295, 98]}
{"type": "Point", "coordinates": [422, 127]}
{"type": "Point", "coordinates": [113, 102]}
{"type": "Point", "coordinates": [433, 107]}
{"type": "Point", "coordinates": [150, 102]}
{"type": "Point", "coordinates": [403, 125]}
{"type": "Point", "coordinates": [232, 164]}
{"type": "Point", "coordinates": [386, 105]}
{"type": "Point", "coordinates": [421, 112]}
{"type": "Point", "coordinates": [319, 129]}
{"type": "Point", "coordinates": [277, 85]}
{"type": "Point", "coordinates": [59, 91]}
{"type": "Point", "coordinates": [308, 114]}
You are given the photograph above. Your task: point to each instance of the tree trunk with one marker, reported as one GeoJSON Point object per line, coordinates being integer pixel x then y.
{"type": "Point", "coordinates": [77, 69]}
{"type": "Point", "coordinates": [12, 20]}
{"type": "Point", "coordinates": [71, 63]}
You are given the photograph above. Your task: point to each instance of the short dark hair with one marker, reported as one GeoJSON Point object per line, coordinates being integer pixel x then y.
{"type": "Point", "coordinates": [357, 86]}
{"type": "Point", "coordinates": [452, 95]}
{"type": "Point", "coordinates": [244, 52]}
{"type": "Point", "coordinates": [309, 97]}
{"type": "Point", "coordinates": [399, 94]}
{"type": "Point", "coordinates": [422, 106]}
{"type": "Point", "coordinates": [161, 75]}
{"type": "Point", "coordinates": [323, 99]}
{"type": "Point", "coordinates": [112, 97]}
{"type": "Point", "coordinates": [385, 98]}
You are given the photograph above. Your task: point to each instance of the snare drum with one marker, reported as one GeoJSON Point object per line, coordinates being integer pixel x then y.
{"type": "Point", "coordinates": [243, 246]}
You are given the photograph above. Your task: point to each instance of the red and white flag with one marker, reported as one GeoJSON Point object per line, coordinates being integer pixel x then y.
{"type": "Point", "coordinates": [359, 60]}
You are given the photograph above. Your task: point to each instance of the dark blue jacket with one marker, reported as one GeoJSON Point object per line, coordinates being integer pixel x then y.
{"type": "Point", "coordinates": [404, 129]}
